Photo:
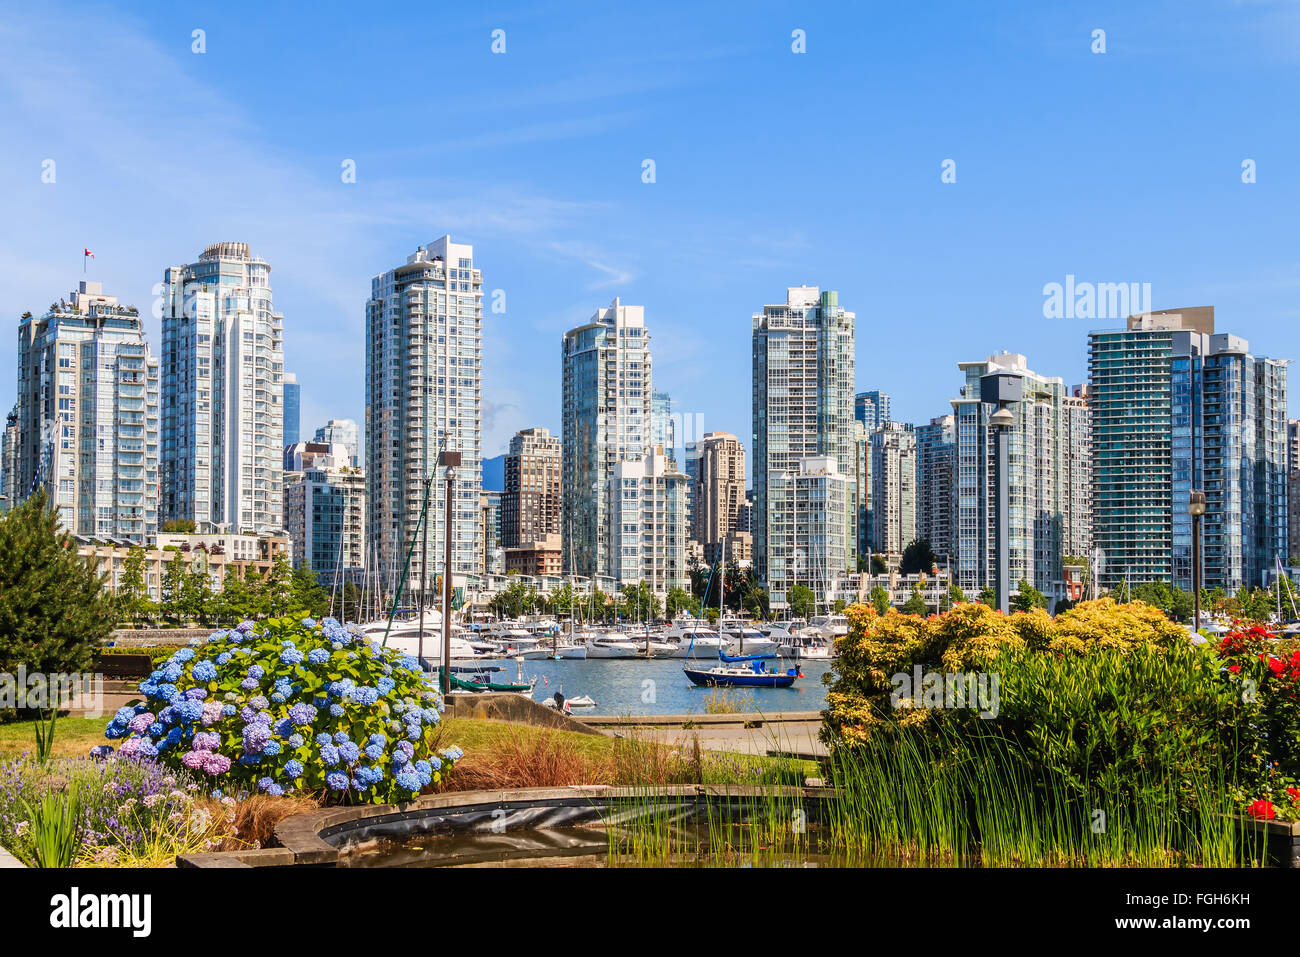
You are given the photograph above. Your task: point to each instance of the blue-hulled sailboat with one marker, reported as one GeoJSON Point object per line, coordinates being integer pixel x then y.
{"type": "Point", "coordinates": [741, 671]}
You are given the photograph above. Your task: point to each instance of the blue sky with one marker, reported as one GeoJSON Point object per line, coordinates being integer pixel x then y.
{"type": "Point", "coordinates": [772, 169]}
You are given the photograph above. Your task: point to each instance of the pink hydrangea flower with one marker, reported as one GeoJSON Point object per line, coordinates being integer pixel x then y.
{"type": "Point", "coordinates": [216, 764]}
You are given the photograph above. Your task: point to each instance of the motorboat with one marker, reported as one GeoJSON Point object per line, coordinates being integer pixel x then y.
{"type": "Point", "coordinates": [652, 645]}
{"type": "Point", "coordinates": [833, 625]}
{"type": "Point", "coordinates": [404, 636]}
{"type": "Point", "coordinates": [611, 644]}
{"type": "Point", "coordinates": [750, 641]}
{"type": "Point", "coordinates": [689, 641]}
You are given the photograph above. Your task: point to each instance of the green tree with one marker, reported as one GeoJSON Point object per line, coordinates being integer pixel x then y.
{"type": "Point", "coordinates": [172, 592]}
{"type": "Point", "coordinates": [1156, 594]}
{"type": "Point", "coordinates": [196, 593]}
{"type": "Point", "coordinates": [954, 596]}
{"type": "Point", "coordinates": [133, 602]}
{"type": "Point", "coordinates": [54, 608]}
{"type": "Point", "coordinates": [918, 556]}
{"type": "Point", "coordinates": [234, 603]}
{"type": "Point", "coordinates": [274, 594]}
{"type": "Point", "coordinates": [1027, 597]}
{"type": "Point", "coordinates": [802, 602]}
{"type": "Point", "coordinates": [310, 596]}
{"type": "Point", "coordinates": [756, 600]}
{"type": "Point", "coordinates": [879, 599]}
{"type": "Point", "coordinates": [838, 606]}
{"type": "Point", "coordinates": [1180, 605]}
{"type": "Point", "coordinates": [915, 604]}
{"type": "Point", "coordinates": [679, 600]}
{"type": "Point", "coordinates": [988, 596]}
{"type": "Point", "coordinates": [1256, 604]}
{"type": "Point", "coordinates": [562, 599]}
{"type": "Point", "coordinates": [179, 526]}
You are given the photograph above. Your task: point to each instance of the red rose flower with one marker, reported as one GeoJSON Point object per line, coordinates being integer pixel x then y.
{"type": "Point", "coordinates": [1262, 810]}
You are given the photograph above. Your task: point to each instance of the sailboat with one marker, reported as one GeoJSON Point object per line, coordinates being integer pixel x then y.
{"type": "Point", "coordinates": [741, 671]}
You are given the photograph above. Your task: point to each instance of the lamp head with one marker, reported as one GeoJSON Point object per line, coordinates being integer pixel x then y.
{"type": "Point", "coordinates": [1002, 419]}
{"type": "Point", "coordinates": [1196, 504]}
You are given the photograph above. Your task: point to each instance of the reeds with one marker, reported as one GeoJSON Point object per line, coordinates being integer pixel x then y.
{"type": "Point", "coordinates": [937, 799]}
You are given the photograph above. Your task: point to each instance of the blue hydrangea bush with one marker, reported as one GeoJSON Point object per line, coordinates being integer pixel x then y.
{"type": "Point", "coordinates": [292, 705]}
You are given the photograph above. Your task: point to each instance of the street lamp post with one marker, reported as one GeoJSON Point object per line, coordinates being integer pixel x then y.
{"type": "Point", "coordinates": [1001, 389]}
{"type": "Point", "coordinates": [1196, 508]}
{"type": "Point", "coordinates": [451, 461]}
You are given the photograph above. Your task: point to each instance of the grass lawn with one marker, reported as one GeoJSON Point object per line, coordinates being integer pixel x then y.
{"type": "Point", "coordinates": [73, 737]}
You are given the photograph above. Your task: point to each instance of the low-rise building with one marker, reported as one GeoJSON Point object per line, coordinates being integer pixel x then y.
{"type": "Point", "coordinates": [538, 558]}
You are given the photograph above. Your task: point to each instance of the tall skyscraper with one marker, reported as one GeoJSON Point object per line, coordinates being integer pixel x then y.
{"type": "Point", "coordinates": [871, 409]}
{"type": "Point", "coordinates": [860, 507]}
{"type": "Point", "coordinates": [719, 491]}
{"type": "Point", "coordinates": [1132, 491]}
{"type": "Point", "coordinates": [292, 409]}
{"type": "Point", "coordinates": [222, 394]}
{"type": "Point", "coordinates": [607, 420]}
{"type": "Point", "coordinates": [1048, 493]}
{"type": "Point", "coordinates": [493, 559]}
{"type": "Point", "coordinates": [1076, 472]}
{"type": "Point", "coordinates": [87, 417]}
{"type": "Point", "coordinates": [9, 462]}
{"type": "Point", "coordinates": [803, 354]}
{"type": "Point", "coordinates": [893, 489]}
{"type": "Point", "coordinates": [1175, 406]}
{"type": "Point", "coordinates": [1293, 490]}
{"type": "Point", "coordinates": [663, 427]}
{"type": "Point", "coordinates": [1228, 416]}
{"type": "Point", "coordinates": [936, 482]}
{"type": "Point", "coordinates": [343, 432]}
{"type": "Point", "coordinates": [531, 503]}
{"type": "Point", "coordinates": [646, 502]}
{"type": "Point", "coordinates": [424, 344]}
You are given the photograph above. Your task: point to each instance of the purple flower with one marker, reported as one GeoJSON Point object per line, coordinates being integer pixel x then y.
{"type": "Point", "coordinates": [256, 736]}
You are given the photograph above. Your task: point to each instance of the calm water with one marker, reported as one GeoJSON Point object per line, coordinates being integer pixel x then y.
{"type": "Point", "coordinates": [656, 686]}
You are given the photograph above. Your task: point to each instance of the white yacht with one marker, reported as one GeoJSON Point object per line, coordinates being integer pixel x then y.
{"type": "Point", "coordinates": [610, 644]}
{"type": "Point", "coordinates": [707, 642]}
{"type": "Point", "coordinates": [750, 641]}
{"type": "Point", "coordinates": [833, 625]}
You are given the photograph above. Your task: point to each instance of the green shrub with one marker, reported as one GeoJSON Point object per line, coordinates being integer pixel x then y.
{"type": "Point", "coordinates": [1109, 717]}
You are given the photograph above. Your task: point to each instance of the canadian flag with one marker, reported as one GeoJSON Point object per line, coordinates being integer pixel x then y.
{"type": "Point", "coordinates": [87, 254]}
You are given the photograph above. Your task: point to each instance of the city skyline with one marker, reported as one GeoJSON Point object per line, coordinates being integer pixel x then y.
{"type": "Point", "coordinates": [562, 228]}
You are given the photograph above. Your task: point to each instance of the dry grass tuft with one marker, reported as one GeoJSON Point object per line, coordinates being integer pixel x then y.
{"type": "Point", "coordinates": [256, 816]}
{"type": "Point", "coordinates": [544, 760]}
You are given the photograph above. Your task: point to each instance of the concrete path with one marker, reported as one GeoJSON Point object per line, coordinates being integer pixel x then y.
{"type": "Point", "coordinates": [787, 733]}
